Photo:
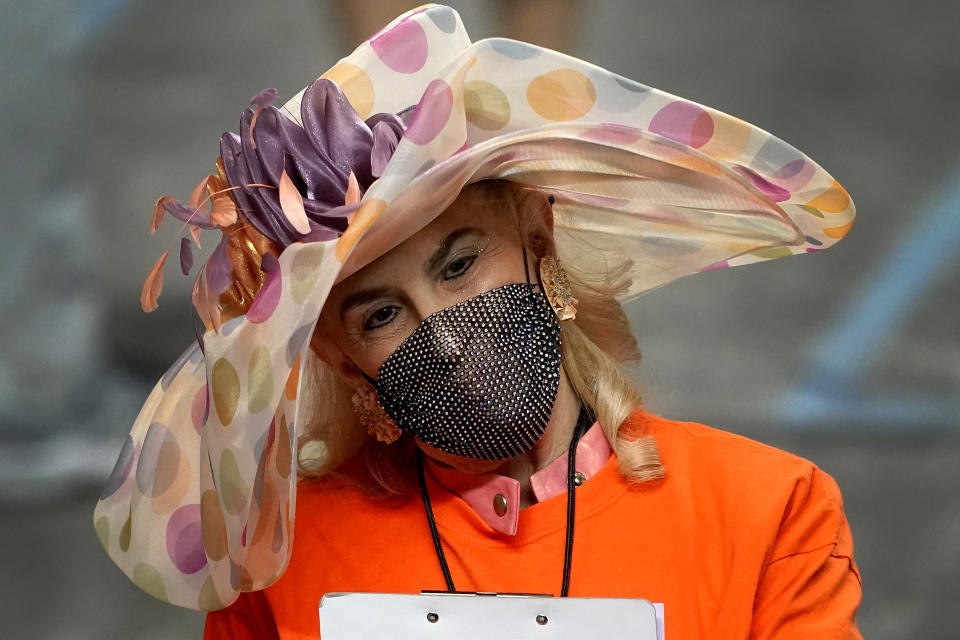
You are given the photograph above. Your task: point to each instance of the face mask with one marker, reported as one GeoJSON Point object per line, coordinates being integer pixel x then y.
{"type": "Point", "coordinates": [478, 379]}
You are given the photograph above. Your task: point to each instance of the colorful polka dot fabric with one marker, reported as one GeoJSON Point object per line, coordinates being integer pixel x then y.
{"type": "Point", "coordinates": [200, 504]}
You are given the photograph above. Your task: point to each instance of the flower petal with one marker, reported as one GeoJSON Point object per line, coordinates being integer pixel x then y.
{"type": "Point", "coordinates": [268, 262]}
{"type": "Point", "coordinates": [265, 98]}
{"type": "Point", "coordinates": [157, 218]}
{"type": "Point", "coordinates": [336, 131]}
{"type": "Point", "coordinates": [385, 139]}
{"type": "Point", "coordinates": [213, 306]}
{"type": "Point", "coordinates": [186, 256]}
{"type": "Point", "coordinates": [199, 194]}
{"type": "Point", "coordinates": [223, 213]}
{"type": "Point", "coordinates": [153, 285]}
{"type": "Point", "coordinates": [353, 190]}
{"type": "Point", "coordinates": [291, 202]}
{"type": "Point", "coordinates": [329, 229]}
{"type": "Point", "coordinates": [219, 269]}
{"type": "Point", "coordinates": [199, 303]}
{"type": "Point", "coordinates": [191, 215]}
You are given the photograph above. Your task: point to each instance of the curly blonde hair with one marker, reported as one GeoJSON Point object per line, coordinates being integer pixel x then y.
{"type": "Point", "coordinates": [597, 348]}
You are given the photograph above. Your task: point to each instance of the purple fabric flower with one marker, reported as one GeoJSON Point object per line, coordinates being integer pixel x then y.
{"type": "Point", "coordinates": [318, 157]}
{"type": "Point", "coordinates": [265, 98]}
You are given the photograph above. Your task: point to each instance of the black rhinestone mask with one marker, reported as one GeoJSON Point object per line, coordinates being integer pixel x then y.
{"type": "Point", "coordinates": [478, 379]}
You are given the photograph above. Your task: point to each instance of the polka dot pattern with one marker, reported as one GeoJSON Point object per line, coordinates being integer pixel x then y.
{"type": "Point", "coordinates": [834, 200]}
{"type": "Point", "coordinates": [293, 381]}
{"type": "Point", "coordinates": [121, 469]}
{"type": "Point", "coordinates": [259, 380]}
{"type": "Point", "coordinates": [208, 599]}
{"type": "Point", "coordinates": [226, 390]}
{"type": "Point", "coordinates": [368, 212]}
{"type": "Point", "coordinates": [185, 539]}
{"type": "Point", "coordinates": [684, 122]}
{"type": "Point", "coordinates": [487, 107]}
{"type": "Point", "coordinates": [233, 489]}
{"type": "Point", "coordinates": [775, 192]}
{"type": "Point", "coordinates": [199, 501]}
{"type": "Point", "coordinates": [444, 17]}
{"type": "Point", "coordinates": [213, 527]}
{"type": "Point", "coordinates": [616, 94]}
{"type": "Point", "coordinates": [126, 534]}
{"type": "Point", "coordinates": [159, 461]}
{"type": "Point", "coordinates": [278, 537]}
{"type": "Point", "coordinates": [356, 86]}
{"type": "Point", "coordinates": [561, 95]}
{"type": "Point", "coordinates": [284, 457]}
{"type": "Point", "coordinates": [403, 48]}
{"type": "Point", "coordinates": [514, 48]}
{"type": "Point", "coordinates": [305, 270]}
{"type": "Point", "coordinates": [148, 578]}
{"type": "Point", "coordinates": [102, 527]}
{"type": "Point", "coordinates": [432, 113]}
{"type": "Point", "coordinates": [198, 408]}
{"type": "Point", "coordinates": [296, 342]}
{"type": "Point", "coordinates": [267, 299]}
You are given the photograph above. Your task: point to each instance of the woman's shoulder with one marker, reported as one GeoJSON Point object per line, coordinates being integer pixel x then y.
{"type": "Point", "coordinates": [698, 447]}
{"type": "Point", "coordinates": [748, 480]}
{"type": "Point", "coordinates": [333, 499]}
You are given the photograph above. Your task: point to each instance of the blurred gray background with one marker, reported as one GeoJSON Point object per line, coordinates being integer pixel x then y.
{"type": "Point", "coordinates": [850, 357]}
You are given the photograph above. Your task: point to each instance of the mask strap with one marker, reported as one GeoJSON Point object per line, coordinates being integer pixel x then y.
{"type": "Point", "coordinates": [526, 267]}
{"type": "Point", "coordinates": [523, 246]}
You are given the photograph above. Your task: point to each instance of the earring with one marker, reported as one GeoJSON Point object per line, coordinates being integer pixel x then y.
{"type": "Point", "coordinates": [556, 285]}
{"type": "Point", "coordinates": [373, 418]}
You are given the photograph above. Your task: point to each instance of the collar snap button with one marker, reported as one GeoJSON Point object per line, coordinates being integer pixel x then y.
{"type": "Point", "coordinates": [500, 504]}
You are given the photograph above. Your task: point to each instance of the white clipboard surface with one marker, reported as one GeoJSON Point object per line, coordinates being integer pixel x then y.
{"type": "Point", "coordinates": [469, 616]}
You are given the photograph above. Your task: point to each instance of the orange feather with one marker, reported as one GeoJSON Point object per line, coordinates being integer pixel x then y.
{"type": "Point", "coordinates": [291, 202]}
{"type": "Point", "coordinates": [153, 285]}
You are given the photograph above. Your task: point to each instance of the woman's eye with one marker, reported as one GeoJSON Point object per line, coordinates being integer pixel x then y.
{"type": "Point", "coordinates": [458, 267]}
{"type": "Point", "coordinates": [380, 317]}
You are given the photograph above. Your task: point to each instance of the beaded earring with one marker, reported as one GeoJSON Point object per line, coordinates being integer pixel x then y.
{"type": "Point", "coordinates": [366, 404]}
{"type": "Point", "coordinates": [556, 286]}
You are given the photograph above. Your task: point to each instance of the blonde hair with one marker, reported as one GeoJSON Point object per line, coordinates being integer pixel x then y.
{"type": "Point", "coordinates": [596, 349]}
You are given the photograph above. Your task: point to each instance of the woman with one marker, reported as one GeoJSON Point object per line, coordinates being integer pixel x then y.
{"type": "Point", "coordinates": [401, 276]}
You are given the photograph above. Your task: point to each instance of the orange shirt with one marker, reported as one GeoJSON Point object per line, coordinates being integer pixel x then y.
{"type": "Point", "coordinates": [740, 540]}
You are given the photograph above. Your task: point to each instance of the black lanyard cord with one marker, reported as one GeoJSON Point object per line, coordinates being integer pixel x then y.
{"type": "Point", "coordinates": [425, 495]}
{"type": "Point", "coordinates": [584, 421]}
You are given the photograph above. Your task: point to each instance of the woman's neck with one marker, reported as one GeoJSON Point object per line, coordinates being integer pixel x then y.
{"type": "Point", "coordinates": [554, 443]}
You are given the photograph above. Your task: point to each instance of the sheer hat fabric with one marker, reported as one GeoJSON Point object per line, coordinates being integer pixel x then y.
{"type": "Point", "coordinates": [201, 502]}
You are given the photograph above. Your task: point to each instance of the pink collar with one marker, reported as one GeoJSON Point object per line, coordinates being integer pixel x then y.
{"type": "Point", "coordinates": [484, 491]}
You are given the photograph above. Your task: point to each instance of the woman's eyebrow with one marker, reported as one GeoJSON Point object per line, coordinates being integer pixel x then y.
{"type": "Point", "coordinates": [361, 297]}
{"type": "Point", "coordinates": [438, 256]}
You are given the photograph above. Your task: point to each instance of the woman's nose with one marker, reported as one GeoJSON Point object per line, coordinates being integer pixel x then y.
{"type": "Point", "coordinates": [425, 302]}
{"type": "Point", "coordinates": [442, 336]}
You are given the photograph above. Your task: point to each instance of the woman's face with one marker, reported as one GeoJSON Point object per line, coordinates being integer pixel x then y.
{"type": "Point", "coordinates": [471, 248]}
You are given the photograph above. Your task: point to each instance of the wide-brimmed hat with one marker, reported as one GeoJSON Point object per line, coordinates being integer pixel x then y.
{"type": "Point", "coordinates": [201, 503]}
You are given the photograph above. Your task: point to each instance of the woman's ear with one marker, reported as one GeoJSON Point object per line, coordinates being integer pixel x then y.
{"type": "Point", "coordinates": [535, 209]}
{"type": "Point", "coordinates": [328, 351]}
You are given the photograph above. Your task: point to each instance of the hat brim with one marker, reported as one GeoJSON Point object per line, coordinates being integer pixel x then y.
{"type": "Point", "coordinates": [667, 208]}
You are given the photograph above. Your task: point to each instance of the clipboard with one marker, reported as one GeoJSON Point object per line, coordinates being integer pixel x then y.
{"type": "Point", "coordinates": [476, 616]}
